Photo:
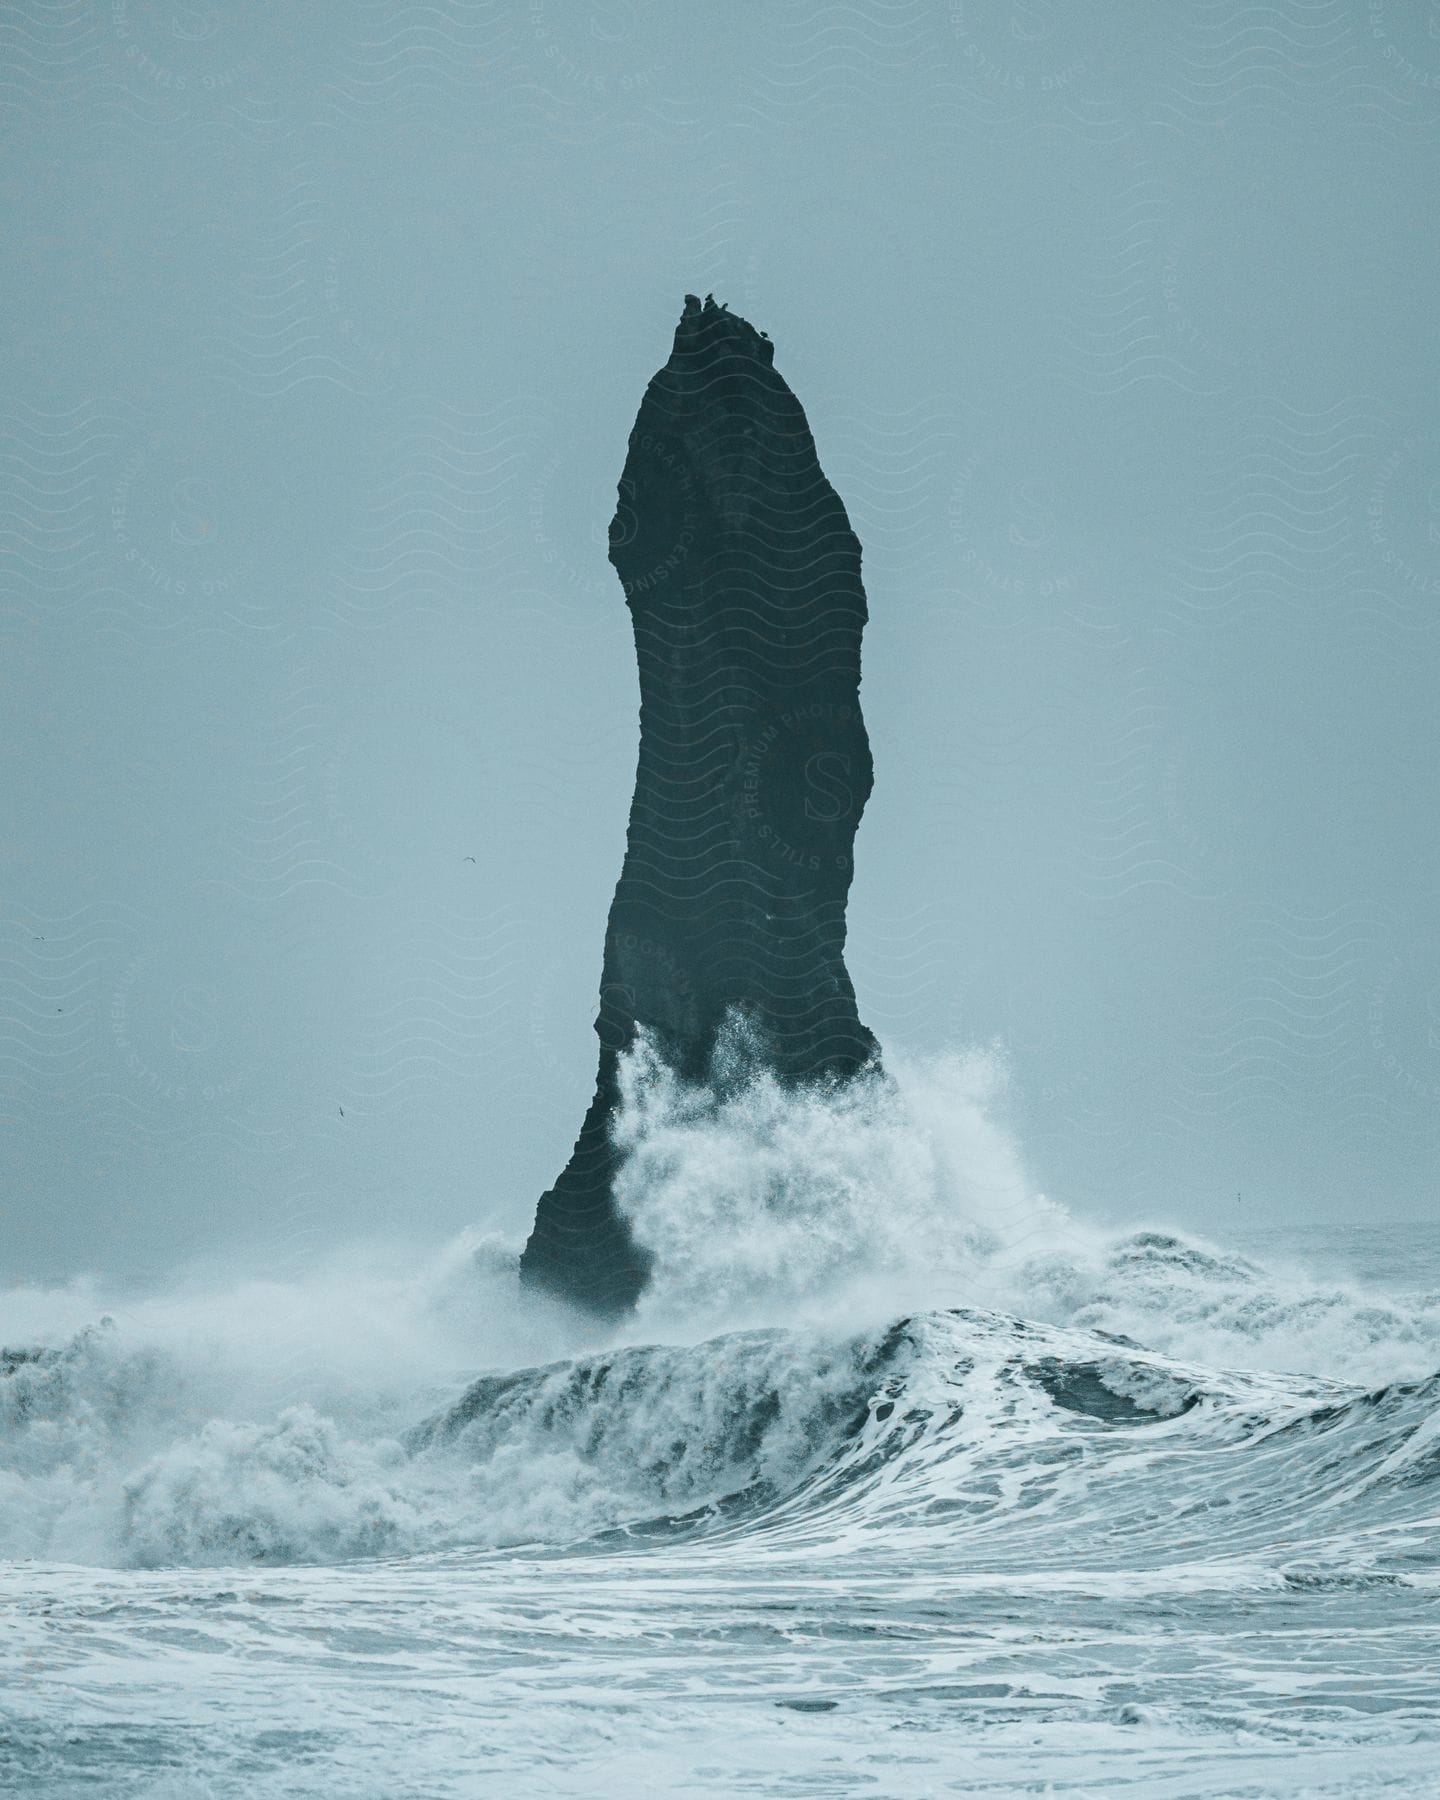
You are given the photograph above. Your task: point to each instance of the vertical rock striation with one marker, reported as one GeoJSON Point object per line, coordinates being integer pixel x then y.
{"type": "Point", "coordinates": [742, 576]}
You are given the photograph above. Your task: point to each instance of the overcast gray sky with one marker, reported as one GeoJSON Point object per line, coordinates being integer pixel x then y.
{"type": "Point", "coordinates": [325, 330]}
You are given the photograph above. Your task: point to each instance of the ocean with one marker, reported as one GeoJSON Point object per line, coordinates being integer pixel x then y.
{"type": "Point", "coordinates": [903, 1481]}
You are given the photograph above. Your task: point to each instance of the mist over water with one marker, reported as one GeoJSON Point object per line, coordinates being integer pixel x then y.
{"type": "Point", "coordinates": [795, 1234]}
{"type": "Point", "coordinates": [906, 1478]}
{"type": "Point", "coordinates": [759, 1202]}
{"type": "Point", "coordinates": [892, 1439]}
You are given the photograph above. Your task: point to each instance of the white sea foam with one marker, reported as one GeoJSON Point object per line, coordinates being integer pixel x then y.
{"type": "Point", "coordinates": [212, 1422]}
{"type": "Point", "coordinates": [762, 1203]}
{"type": "Point", "coordinates": [873, 1483]}
{"type": "Point", "coordinates": [268, 1420]}
{"type": "Point", "coordinates": [906, 1191]}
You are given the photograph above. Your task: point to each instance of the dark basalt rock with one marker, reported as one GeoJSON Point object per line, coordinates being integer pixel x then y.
{"type": "Point", "coordinates": [742, 576]}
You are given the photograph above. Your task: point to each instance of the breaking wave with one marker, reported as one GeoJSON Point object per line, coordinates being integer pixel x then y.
{"type": "Point", "coordinates": [864, 1320]}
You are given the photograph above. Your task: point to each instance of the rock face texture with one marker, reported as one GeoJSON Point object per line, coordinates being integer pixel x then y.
{"type": "Point", "coordinates": [742, 576]}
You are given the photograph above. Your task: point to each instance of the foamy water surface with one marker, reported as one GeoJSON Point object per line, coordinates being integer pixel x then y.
{"type": "Point", "coordinates": [903, 1481]}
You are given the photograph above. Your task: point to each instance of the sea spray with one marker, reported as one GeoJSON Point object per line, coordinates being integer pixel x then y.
{"type": "Point", "coordinates": [902, 1191]}
{"type": "Point", "coordinates": [759, 1201]}
{"type": "Point", "coordinates": [390, 1405]}
{"type": "Point", "coordinates": [206, 1421]}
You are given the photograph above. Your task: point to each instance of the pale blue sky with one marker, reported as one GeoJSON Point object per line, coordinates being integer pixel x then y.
{"type": "Point", "coordinates": [325, 333]}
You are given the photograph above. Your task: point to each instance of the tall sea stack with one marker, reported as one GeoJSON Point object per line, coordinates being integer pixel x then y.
{"type": "Point", "coordinates": [742, 576]}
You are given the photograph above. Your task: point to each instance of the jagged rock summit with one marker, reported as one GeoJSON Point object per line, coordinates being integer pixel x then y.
{"type": "Point", "coordinates": [742, 576]}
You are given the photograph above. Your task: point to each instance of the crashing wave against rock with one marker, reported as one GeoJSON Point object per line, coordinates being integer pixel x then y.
{"type": "Point", "coordinates": [742, 576]}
